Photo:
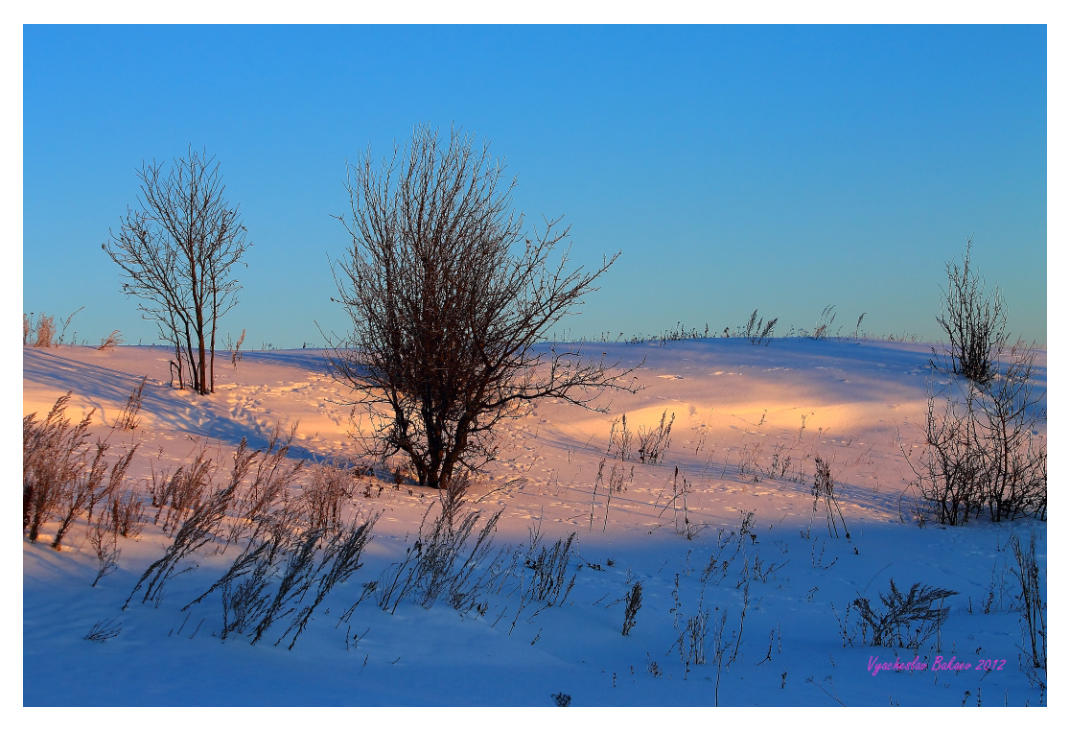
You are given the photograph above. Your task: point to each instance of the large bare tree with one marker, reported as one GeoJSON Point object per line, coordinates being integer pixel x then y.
{"type": "Point", "coordinates": [449, 298]}
{"type": "Point", "coordinates": [176, 251]}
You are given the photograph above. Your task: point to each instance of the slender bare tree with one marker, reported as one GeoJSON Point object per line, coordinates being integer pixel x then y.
{"type": "Point", "coordinates": [176, 252]}
{"type": "Point", "coordinates": [449, 298]}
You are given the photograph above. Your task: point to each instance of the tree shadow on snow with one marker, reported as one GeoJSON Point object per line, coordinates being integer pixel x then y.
{"type": "Point", "coordinates": [107, 390]}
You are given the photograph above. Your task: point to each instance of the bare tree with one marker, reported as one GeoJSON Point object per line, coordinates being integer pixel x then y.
{"type": "Point", "coordinates": [176, 252]}
{"type": "Point", "coordinates": [973, 322]}
{"type": "Point", "coordinates": [449, 298]}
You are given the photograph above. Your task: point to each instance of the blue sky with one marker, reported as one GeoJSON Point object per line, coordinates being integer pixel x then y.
{"type": "Point", "coordinates": [735, 168]}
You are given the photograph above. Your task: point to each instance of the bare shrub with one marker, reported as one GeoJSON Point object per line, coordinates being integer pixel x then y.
{"type": "Point", "coordinates": [449, 298]}
{"type": "Point", "coordinates": [907, 620]}
{"type": "Point", "coordinates": [1017, 470]}
{"type": "Point", "coordinates": [973, 321]}
{"type": "Point", "coordinates": [949, 472]}
{"type": "Point", "coordinates": [983, 448]}
{"type": "Point", "coordinates": [128, 418]}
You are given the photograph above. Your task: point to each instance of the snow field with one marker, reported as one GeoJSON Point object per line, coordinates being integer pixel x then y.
{"type": "Point", "coordinates": [735, 485]}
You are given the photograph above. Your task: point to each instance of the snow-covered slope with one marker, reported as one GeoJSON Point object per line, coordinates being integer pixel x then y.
{"type": "Point", "coordinates": [723, 534]}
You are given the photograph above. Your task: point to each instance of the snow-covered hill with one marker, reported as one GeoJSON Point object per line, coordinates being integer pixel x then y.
{"type": "Point", "coordinates": [749, 585]}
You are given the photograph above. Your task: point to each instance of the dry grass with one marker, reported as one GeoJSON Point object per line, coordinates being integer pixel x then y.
{"type": "Point", "coordinates": [54, 453]}
{"type": "Point", "coordinates": [633, 602]}
{"type": "Point", "coordinates": [182, 492]}
{"type": "Point", "coordinates": [324, 497]}
{"type": "Point", "coordinates": [207, 513]}
{"type": "Point", "coordinates": [44, 333]}
{"type": "Point", "coordinates": [1032, 610]}
{"type": "Point", "coordinates": [824, 489]}
{"type": "Point", "coordinates": [236, 355]}
{"type": "Point", "coordinates": [907, 620]}
{"type": "Point", "coordinates": [654, 441]}
{"type": "Point", "coordinates": [128, 419]}
{"type": "Point", "coordinates": [64, 476]}
{"type": "Point", "coordinates": [755, 331]}
{"type": "Point", "coordinates": [823, 328]}
{"type": "Point", "coordinates": [111, 341]}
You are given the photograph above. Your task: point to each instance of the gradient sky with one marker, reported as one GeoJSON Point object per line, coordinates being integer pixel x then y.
{"type": "Point", "coordinates": [778, 168]}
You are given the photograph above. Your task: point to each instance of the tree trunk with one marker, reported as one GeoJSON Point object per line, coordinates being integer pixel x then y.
{"type": "Point", "coordinates": [212, 347]}
{"type": "Point", "coordinates": [201, 363]}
